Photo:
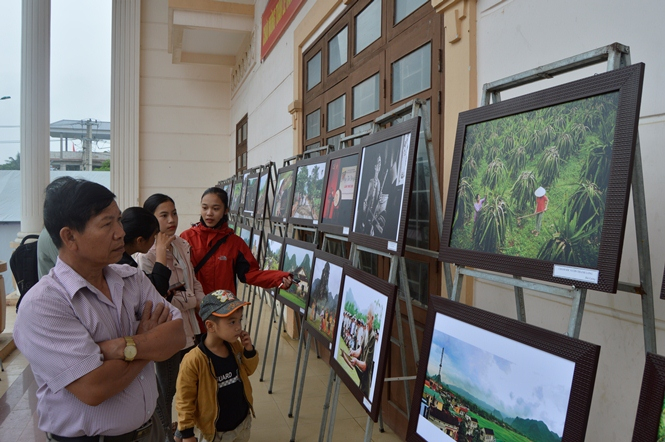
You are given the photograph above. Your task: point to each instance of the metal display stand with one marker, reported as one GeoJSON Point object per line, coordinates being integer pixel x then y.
{"type": "Point", "coordinates": [324, 150]}
{"type": "Point", "coordinates": [260, 224]}
{"type": "Point", "coordinates": [411, 109]}
{"type": "Point", "coordinates": [284, 232]}
{"type": "Point", "coordinates": [617, 56]}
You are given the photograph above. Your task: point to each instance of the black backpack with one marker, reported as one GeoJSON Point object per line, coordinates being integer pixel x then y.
{"type": "Point", "coordinates": [24, 266]}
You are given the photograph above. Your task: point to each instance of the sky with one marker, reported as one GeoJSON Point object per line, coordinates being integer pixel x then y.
{"type": "Point", "coordinates": [80, 67]}
{"type": "Point", "coordinates": [516, 379]}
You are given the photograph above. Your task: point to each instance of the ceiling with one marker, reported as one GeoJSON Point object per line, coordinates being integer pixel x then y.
{"type": "Point", "coordinates": [209, 31]}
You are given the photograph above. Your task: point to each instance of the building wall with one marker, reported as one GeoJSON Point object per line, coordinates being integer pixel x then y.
{"type": "Point", "coordinates": [518, 35]}
{"type": "Point", "coordinates": [186, 142]}
{"type": "Point", "coordinates": [266, 94]}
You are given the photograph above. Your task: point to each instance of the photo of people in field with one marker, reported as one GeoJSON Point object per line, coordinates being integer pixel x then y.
{"type": "Point", "coordinates": [534, 184]}
{"type": "Point", "coordinates": [359, 334]}
{"type": "Point", "coordinates": [480, 386]}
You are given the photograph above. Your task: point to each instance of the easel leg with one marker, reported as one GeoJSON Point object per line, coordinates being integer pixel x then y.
{"type": "Point", "coordinates": [577, 310]}
{"type": "Point", "coordinates": [333, 409]}
{"type": "Point", "coordinates": [326, 405]}
{"type": "Point", "coordinates": [457, 286]}
{"type": "Point", "coordinates": [265, 353]}
{"type": "Point", "coordinates": [519, 303]}
{"type": "Point", "coordinates": [369, 427]}
{"type": "Point", "coordinates": [404, 283]}
{"type": "Point", "coordinates": [302, 389]}
{"type": "Point", "coordinates": [643, 252]}
{"type": "Point", "coordinates": [402, 353]}
{"type": "Point", "coordinates": [295, 375]}
{"type": "Point", "coordinates": [274, 360]}
{"type": "Point", "coordinates": [258, 318]}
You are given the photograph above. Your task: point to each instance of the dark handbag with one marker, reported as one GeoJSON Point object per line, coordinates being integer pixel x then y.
{"type": "Point", "coordinates": [211, 252]}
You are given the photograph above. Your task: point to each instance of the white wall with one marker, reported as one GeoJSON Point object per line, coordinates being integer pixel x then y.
{"type": "Point", "coordinates": [186, 137]}
{"type": "Point", "coordinates": [265, 96]}
{"type": "Point", "coordinates": [517, 35]}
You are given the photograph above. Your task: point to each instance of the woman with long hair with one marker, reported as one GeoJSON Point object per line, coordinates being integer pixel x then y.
{"type": "Point", "coordinates": [231, 256]}
{"type": "Point", "coordinates": [185, 288]}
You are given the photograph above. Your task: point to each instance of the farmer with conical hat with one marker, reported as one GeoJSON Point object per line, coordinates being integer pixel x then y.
{"type": "Point", "coordinates": [541, 207]}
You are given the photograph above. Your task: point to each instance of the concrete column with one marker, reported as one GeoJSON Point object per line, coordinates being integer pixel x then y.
{"type": "Point", "coordinates": [126, 51]}
{"type": "Point", "coordinates": [35, 110]}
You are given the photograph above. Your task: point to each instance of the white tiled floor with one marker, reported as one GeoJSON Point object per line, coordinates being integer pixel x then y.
{"type": "Point", "coordinates": [272, 422]}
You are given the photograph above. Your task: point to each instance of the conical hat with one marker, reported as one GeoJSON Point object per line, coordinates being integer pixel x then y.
{"type": "Point", "coordinates": [540, 192]}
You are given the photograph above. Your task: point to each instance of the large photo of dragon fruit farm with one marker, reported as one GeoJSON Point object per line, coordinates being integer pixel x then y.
{"type": "Point", "coordinates": [534, 184]}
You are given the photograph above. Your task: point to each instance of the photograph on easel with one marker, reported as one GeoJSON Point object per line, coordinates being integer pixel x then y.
{"type": "Point", "coordinates": [362, 335]}
{"type": "Point", "coordinates": [273, 256]}
{"type": "Point", "coordinates": [307, 197]}
{"type": "Point", "coordinates": [262, 194]}
{"type": "Point", "coordinates": [243, 193]}
{"type": "Point", "coordinates": [340, 191]}
{"type": "Point", "coordinates": [650, 418]}
{"type": "Point", "coordinates": [234, 205]}
{"type": "Point", "coordinates": [324, 296]}
{"type": "Point", "coordinates": [244, 232]}
{"type": "Point", "coordinates": [255, 244]}
{"type": "Point", "coordinates": [541, 182]}
{"type": "Point", "coordinates": [487, 377]}
{"type": "Point", "coordinates": [297, 259]}
{"type": "Point", "coordinates": [384, 187]}
{"type": "Point", "coordinates": [250, 195]}
{"type": "Point", "coordinates": [281, 209]}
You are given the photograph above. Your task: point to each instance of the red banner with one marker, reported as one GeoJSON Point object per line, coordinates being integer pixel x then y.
{"type": "Point", "coordinates": [274, 21]}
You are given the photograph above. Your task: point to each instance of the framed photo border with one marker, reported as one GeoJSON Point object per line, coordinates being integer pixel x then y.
{"type": "Point", "coordinates": [652, 396]}
{"type": "Point", "coordinates": [390, 292]}
{"type": "Point", "coordinates": [259, 233]}
{"type": "Point", "coordinates": [280, 239]}
{"type": "Point", "coordinates": [251, 213]}
{"type": "Point", "coordinates": [585, 356]}
{"type": "Point", "coordinates": [411, 126]}
{"type": "Point", "coordinates": [303, 245]}
{"type": "Point", "coordinates": [628, 82]}
{"type": "Point", "coordinates": [338, 229]}
{"type": "Point", "coordinates": [317, 335]}
{"type": "Point", "coordinates": [279, 219]}
{"type": "Point", "coordinates": [260, 212]}
{"type": "Point", "coordinates": [322, 159]}
{"type": "Point", "coordinates": [236, 210]}
{"type": "Point", "coordinates": [246, 226]}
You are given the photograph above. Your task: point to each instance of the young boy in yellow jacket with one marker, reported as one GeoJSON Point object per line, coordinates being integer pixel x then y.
{"type": "Point", "coordinates": [213, 392]}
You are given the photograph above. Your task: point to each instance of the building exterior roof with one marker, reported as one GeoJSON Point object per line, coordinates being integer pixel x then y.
{"type": "Point", "coordinates": [76, 129]}
{"type": "Point", "coordinates": [10, 189]}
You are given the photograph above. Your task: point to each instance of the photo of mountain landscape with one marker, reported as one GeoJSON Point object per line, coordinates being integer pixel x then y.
{"type": "Point", "coordinates": [298, 257]}
{"type": "Point", "coordinates": [480, 386]}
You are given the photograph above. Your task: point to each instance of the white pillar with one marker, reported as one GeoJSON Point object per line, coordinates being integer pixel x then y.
{"type": "Point", "coordinates": [35, 111]}
{"type": "Point", "coordinates": [125, 60]}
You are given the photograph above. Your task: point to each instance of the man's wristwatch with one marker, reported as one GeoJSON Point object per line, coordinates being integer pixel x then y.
{"type": "Point", "coordinates": [130, 349]}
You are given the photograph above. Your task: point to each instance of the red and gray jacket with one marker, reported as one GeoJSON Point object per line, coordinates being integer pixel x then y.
{"type": "Point", "coordinates": [232, 259]}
